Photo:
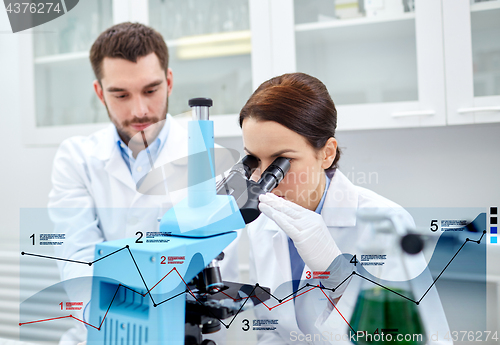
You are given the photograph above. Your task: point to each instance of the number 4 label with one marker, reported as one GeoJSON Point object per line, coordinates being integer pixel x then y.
{"type": "Point", "coordinates": [354, 260]}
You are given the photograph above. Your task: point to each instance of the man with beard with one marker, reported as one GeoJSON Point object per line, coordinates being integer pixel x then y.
{"type": "Point", "coordinates": [100, 187]}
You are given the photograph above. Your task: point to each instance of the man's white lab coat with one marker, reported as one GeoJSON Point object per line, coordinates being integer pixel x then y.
{"type": "Point", "coordinates": [94, 199]}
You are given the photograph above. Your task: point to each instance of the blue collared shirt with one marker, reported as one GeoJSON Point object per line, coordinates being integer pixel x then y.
{"type": "Point", "coordinates": [322, 201]}
{"type": "Point", "coordinates": [143, 163]}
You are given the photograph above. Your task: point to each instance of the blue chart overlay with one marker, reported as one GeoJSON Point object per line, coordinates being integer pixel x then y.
{"type": "Point", "coordinates": [462, 287]}
{"type": "Point", "coordinates": [458, 264]}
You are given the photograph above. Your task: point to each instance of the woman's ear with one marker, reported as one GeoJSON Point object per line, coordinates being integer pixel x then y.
{"type": "Point", "coordinates": [329, 152]}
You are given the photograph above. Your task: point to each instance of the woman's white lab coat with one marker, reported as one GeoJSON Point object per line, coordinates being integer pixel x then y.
{"type": "Point", "coordinates": [312, 313]}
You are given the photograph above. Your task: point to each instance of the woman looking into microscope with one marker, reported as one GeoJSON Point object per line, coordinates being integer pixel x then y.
{"type": "Point", "coordinates": [308, 227]}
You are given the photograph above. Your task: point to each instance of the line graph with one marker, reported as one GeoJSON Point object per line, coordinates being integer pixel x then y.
{"type": "Point", "coordinates": [307, 287]}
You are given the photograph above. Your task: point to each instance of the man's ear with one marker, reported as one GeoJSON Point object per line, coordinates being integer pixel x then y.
{"type": "Point", "coordinates": [170, 81]}
{"type": "Point", "coordinates": [329, 153]}
{"type": "Point", "coordinates": [98, 91]}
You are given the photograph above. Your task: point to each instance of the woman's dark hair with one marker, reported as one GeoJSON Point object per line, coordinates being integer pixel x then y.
{"type": "Point", "coordinates": [299, 102]}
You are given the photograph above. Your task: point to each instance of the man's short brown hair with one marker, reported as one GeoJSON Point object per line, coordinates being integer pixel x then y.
{"type": "Point", "coordinates": [128, 41]}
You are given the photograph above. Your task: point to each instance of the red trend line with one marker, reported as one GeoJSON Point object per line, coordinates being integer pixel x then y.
{"type": "Point", "coordinates": [291, 298]}
{"type": "Point", "coordinates": [105, 315]}
{"type": "Point", "coordinates": [336, 308]}
{"type": "Point", "coordinates": [263, 303]}
{"type": "Point", "coordinates": [160, 281]}
{"type": "Point", "coordinates": [180, 276]}
{"type": "Point", "coordinates": [175, 269]}
{"type": "Point", "coordinates": [77, 319]}
{"type": "Point", "coordinates": [55, 318]}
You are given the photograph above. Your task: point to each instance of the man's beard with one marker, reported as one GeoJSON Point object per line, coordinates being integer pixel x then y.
{"type": "Point", "coordinates": [121, 128]}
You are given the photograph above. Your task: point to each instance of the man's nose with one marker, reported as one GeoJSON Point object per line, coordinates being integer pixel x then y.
{"type": "Point", "coordinates": [139, 107]}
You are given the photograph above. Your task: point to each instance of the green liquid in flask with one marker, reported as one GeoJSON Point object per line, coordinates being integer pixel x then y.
{"type": "Point", "coordinates": [383, 310]}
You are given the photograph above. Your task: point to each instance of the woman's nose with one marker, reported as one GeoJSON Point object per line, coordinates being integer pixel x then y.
{"type": "Point", "coordinates": [258, 172]}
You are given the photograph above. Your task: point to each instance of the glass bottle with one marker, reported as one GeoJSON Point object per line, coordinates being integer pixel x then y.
{"type": "Point", "coordinates": [386, 311]}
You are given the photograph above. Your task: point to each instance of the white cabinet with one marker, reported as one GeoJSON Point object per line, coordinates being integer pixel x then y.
{"type": "Point", "coordinates": [390, 63]}
{"type": "Point", "coordinates": [58, 98]}
{"type": "Point", "coordinates": [210, 46]}
{"type": "Point", "coordinates": [472, 60]}
{"type": "Point", "coordinates": [387, 64]}
{"type": "Point", "coordinates": [383, 65]}
{"type": "Point", "coordinates": [210, 55]}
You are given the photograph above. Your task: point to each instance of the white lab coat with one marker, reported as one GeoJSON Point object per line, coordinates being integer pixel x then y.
{"type": "Point", "coordinates": [94, 199]}
{"type": "Point", "coordinates": [311, 313]}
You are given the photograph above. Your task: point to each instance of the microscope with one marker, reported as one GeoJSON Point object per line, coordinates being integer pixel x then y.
{"type": "Point", "coordinates": [170, 291]}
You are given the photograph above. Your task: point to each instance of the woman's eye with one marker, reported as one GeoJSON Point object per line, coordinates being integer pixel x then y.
{"type": "Point", "coordinates": [249, 155]}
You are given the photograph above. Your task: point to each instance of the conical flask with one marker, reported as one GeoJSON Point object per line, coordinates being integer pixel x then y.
{"type": "Point", "coordinates": [386, 311]}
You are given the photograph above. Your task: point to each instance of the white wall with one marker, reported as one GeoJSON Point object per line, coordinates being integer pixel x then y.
{"type": "Point", "coordinates": [453, 166]}
{"type": "Point", "coordinates": [24, 177]}
{"type": "Point", "coordinates": [456, 166]}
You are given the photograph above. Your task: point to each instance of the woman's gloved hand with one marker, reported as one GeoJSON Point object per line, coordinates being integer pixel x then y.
{"type": "Point", "coordinates": [306, 228]}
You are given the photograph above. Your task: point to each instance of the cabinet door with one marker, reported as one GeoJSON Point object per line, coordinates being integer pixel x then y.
{"type": "Point", "coordinates": [472, 50]}
{"type": "Point", "coordinates": [382, 61]}
{"type": "Point", "coordinates": [210, 55]}
{"type": "Point", "coordinates": [60, 99]}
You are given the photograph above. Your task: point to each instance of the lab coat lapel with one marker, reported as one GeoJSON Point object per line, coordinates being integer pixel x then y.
{"type": "Point", "coordinates": [110, 154]}
{"type": "Point", "coordinates": [280, 244]}
{"type": "Point", "coordinates": [170, 168]}
{"type": "Point", "coordinates": [175, 150]}
{"type": "Point", "coordinates": [117, 168]}
{"type": "Point", "coordinates": [341, 202]}
{"type": "Point", "coordinates": [283, 283]}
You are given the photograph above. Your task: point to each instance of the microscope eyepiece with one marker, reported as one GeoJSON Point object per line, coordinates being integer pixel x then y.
{"type": "Point", "coordinates": [274, 173]}
{"type": "Point", "coordinates": [249, 163]}
{"type": "Point", "coordinates": [245, 191]}
{"type": "Point", "coordinates": [246, 166]}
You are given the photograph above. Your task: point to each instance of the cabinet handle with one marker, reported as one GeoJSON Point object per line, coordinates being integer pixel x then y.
{"type": "Point", "coordinates": [478, 109]}
{"type": "Point", "coordinates": [413, 113]}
